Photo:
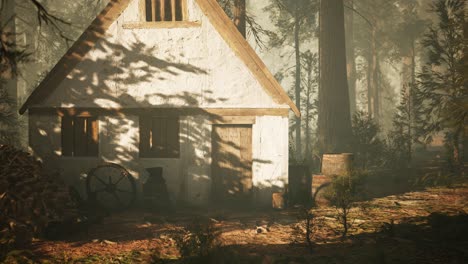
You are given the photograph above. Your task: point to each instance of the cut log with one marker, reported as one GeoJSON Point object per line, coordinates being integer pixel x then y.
{"type": "Point", "coordinates": [337, 164]}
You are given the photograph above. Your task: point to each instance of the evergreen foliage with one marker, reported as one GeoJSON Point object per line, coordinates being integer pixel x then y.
{"type": "Point", "coordinates": [367, 145]}
{"type": "Point", "coordinates": [442, 82]}
{"type": "Point", "coordinates": [295, 24]}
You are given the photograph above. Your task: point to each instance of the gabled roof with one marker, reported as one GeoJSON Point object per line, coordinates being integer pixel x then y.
{"type": "Point", "coordinates": [111, 13]}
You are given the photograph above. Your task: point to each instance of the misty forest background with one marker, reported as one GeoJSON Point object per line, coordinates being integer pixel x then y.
{"type": "Point", "coordinates": [387, 80]}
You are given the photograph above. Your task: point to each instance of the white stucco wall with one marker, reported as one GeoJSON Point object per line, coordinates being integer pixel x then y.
{"type": "Point", "coordinates": [188, 178]}
{"type": "Point", "coordinates": [158, 68]}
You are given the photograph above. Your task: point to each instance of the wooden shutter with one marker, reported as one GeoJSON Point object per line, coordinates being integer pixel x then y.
{"type": "Point", "coordinates": [179, 10]}
{"type": "Point", "coordinates": [167, 10]}
{"type": "Point", "coordinates": [145, 129]}
{"type": "Point", "coordinates": [79, 136]}
{"type": "Point", "coordinates": [156, 10]}
{"type": "Point", "coordinates": [92, 135]}
{"type": "Point", "coordinates": [148, 11]}
{"type": "Point", "coordinates": [67, 136]}
{"type": "Point", "coordinates": [159, 136]}
{"type": "Point", "coordinates": [172, 140]}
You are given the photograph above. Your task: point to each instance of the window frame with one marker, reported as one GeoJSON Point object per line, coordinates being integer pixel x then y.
{"type": "Point", "coordinates": [167, 149]}
{"type": "Point", "coordinates": [74, 145]}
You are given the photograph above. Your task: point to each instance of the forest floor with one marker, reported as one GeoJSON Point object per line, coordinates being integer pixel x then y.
{"type": "Point", "coordinates": [425, 225]}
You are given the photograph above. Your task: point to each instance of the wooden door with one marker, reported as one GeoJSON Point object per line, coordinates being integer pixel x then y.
{"type": "Point", "coordinates": [232, 163]}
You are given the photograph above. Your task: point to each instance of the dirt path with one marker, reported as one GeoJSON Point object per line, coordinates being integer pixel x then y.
{"type": "Point", "coordinates": [417, 227]}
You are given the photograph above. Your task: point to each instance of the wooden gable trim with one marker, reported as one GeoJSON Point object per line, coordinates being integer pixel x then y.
{"type": "Point", "coordinates": [77, 52]}
{"type": "Point", "coordinates": [238, 120]}
{"type": "Point", "coordinates": [245, 52]}
{"type": "Point", "coordinates": [112, 11]}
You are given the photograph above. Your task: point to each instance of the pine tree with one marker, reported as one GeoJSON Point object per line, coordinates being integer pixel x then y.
{"type": "Point", "coordinates": [443, 82]}
{"type": "Point", "coordinates": [407, 123]}
{"type": "Point", "coordinates": [309, 100]}
{"type": "Point", "coordinates": [34, 15]}
{"type": "Point", "coordinates": [244, 21]}
{"type": "Point", "coordinates": [376, 24]}
{"type": "Point", "coordinates": [351, 55]}
{"type": "Point", "coordinates": [295, 22]}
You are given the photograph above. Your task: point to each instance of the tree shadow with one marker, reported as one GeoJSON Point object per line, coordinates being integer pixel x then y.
{"type": "Point", "coordinates": [438, 238]}
{"type": "Point", "coordinates": [119, 83]}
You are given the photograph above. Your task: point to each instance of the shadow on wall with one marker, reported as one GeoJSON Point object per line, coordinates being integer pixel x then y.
{"type": "Point", "coordinates": [109, 80]}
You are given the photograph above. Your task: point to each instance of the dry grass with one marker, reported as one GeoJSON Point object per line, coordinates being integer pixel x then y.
{"type": "Point", "coordinates": [426, 226]}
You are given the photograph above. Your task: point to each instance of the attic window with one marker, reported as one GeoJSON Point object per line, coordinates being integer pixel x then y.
{"type": "Point", "coordinates": [164, 10]}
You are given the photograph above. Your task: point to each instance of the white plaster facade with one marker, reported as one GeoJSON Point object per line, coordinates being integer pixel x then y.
{"type": "Point", "coordinates": [137, 68]}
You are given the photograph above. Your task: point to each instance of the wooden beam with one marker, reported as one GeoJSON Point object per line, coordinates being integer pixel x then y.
{"type": "Point", "coordinates": [142, 10]}
{"type": "Point", "coordinates": [173, 9]}
{"type": "Point", "coordinates": [183, 4]}
{"type": "Point", "coordinates": [153, 10]}
{"type": "Point", "coordinates": [212, 112]}
{"type": "Point", "coordinates": [163, 10]}
{"type": "Point", "coordinates": [238, 120]}
{"type": "Point", "coordinates": [162, 24]}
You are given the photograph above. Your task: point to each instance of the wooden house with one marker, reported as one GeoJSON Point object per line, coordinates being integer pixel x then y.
{"type": "Point", "coordinates": [171, 84]}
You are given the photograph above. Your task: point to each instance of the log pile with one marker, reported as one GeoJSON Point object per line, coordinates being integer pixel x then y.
{"type": "Point", "coordinates": [30, 199]}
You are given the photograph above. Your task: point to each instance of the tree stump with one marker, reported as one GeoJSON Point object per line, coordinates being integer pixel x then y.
{"type": "Point", "coordinates": [332, 165]}
{"type": "Point", "coordinates": [337, 164]}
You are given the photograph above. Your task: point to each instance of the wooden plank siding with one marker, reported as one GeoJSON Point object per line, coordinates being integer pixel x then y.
{"type": "Point", "coordinates": [232, 164]}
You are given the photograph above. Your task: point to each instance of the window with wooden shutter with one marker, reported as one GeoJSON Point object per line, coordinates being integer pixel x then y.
{"type": "Point", "coordinates": [80, 136]}
{"type": "Point", "coordinates": [164, 10]}
{"type": "Point", "coordinates": [159, 137]}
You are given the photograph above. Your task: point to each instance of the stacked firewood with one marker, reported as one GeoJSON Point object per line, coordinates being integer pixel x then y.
{"type": "Point", "coordinates": [30, 199]}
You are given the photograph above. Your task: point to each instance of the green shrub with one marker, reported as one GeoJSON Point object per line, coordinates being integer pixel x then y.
{"type": "Point", "coordinates": [343, 193]}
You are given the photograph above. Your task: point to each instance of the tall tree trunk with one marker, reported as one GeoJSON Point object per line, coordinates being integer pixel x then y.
{"type": "Point", "coordinates": [408, 72]}
{"type": "Point", "coordinates": [334, 119]}
{"type": "Point", "coordinates": [351, 57]}
{"type": "Point", "coordinates": [456, 155]}
{"type": "Point", "coordinates": [308, 147]}
{"type": "Point", "coordinates": [465, 73]}
{"type": "Point", "coordinates": [372, 78]}
{"type": "Point", "coordinates": [413, 61]}
{"type": "Point", "coordinates": [464, 143]}
{"type": "Point", "coordinates": [411, 114]}
{"type": "Point", "coordinates": [240, 16]}
{"type": "Point", "coordinates": [297, 90]}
